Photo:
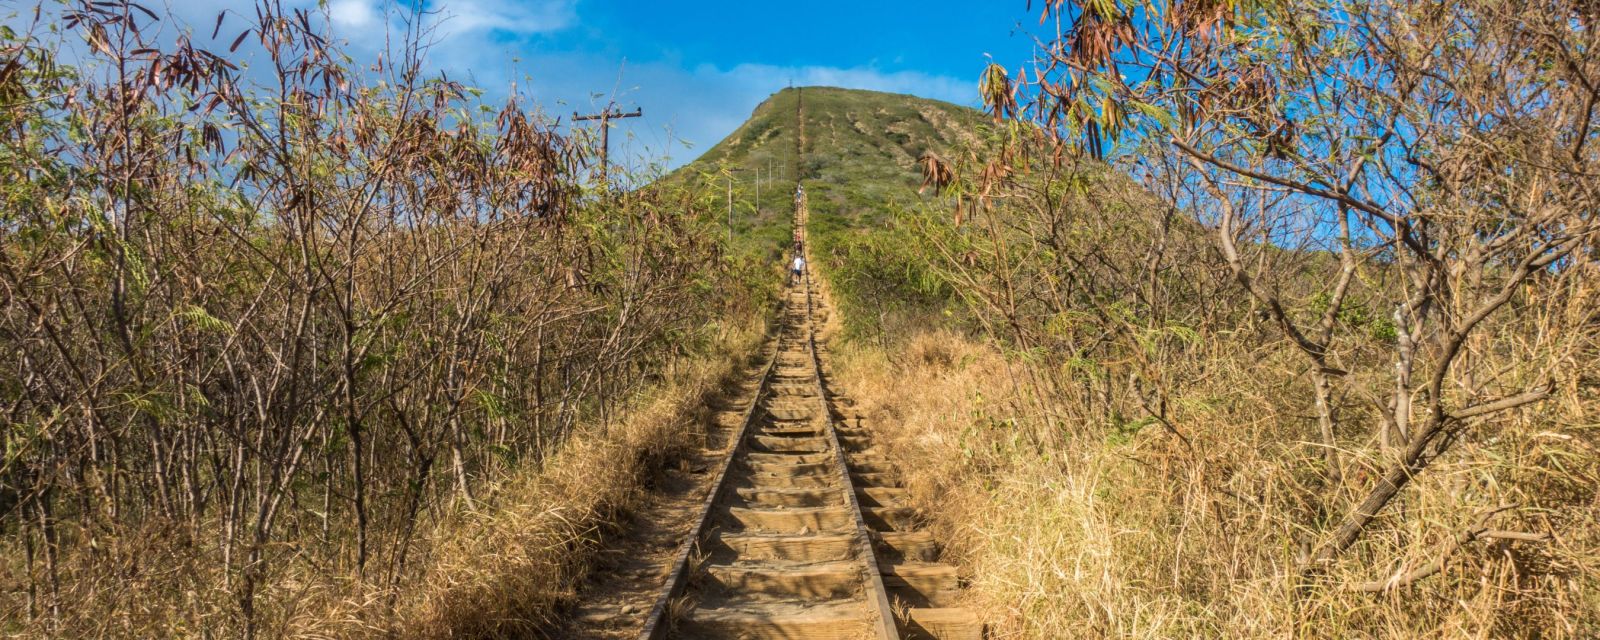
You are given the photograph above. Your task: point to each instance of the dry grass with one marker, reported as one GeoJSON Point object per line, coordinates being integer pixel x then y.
{"type": "Point", "coordinates": [503, 571]}
{"type": "Point", "coordinates": [261, 351]}
{"type": "Point", "coordinates": [501, 568]}
{"type": "Point", "coordinates": [1130, 535]}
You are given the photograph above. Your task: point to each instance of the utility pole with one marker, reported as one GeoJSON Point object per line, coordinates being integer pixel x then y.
{"type": "Point", "coordinates": [730, 208]}
{"type": "Point", "coordinates": [800, 133]}
{"type": "Point", "coordinates": [605, 117]}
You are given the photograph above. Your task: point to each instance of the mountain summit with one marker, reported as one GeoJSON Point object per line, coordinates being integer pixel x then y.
{"type": "Point", "coordinates": [854, 150]}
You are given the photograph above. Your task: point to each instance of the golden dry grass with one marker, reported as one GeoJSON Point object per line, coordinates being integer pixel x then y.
{"type": "Point", "coordinates": [503, 571]}
{"type": "Point", "coordinates": [1129, 536]}
{"type": "Point", "coordinates": [500, 568]}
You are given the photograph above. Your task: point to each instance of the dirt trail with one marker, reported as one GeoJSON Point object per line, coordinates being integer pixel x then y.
{"type": "Point", "coordinates": [798, 530]}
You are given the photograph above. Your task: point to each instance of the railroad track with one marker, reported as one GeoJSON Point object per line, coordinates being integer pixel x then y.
{"type": "Point", "coordinates": [805, 533]}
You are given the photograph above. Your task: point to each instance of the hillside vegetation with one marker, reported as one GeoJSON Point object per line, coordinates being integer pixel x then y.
{"type": "Point", "coordinates": [1291, 335]}
{"type": "Point", "coordinates": [302, 350]}
{"type": "Point", "coordinates": [1202, 393]}
{"type": "Point", "coordinates": [1128, 425]}
{"type": "Point", "coordinates": [859, 159]}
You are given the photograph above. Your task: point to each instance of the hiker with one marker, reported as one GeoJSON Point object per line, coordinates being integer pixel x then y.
{"type": "Point", "coordinates": [797, 268]}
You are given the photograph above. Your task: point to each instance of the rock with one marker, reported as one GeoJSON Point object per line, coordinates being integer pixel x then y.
{"type": "Point", "coordinates": [628, 609]}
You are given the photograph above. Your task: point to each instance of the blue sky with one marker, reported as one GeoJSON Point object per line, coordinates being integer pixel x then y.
{"type": "Point", "coordinates": [696, 67]}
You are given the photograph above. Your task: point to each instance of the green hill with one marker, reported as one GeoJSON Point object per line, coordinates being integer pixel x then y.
{"type": "Point", "coordinates": [859, 155]}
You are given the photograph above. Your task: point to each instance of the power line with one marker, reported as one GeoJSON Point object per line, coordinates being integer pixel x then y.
{"type": "Point", "coordinates": [605, 117]}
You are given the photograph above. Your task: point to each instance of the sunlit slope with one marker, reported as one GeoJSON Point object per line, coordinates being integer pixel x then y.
{"type": "Point", "coordinates": [859, 154]}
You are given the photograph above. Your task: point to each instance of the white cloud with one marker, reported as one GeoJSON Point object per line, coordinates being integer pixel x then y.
{"type": "Point", "coordinates": [352, 14]}
{"type": "Point", "coordinates": [486, 43]}
{"type": "Point", "coordinates": [457, 18]}
{"type": "Point", "coordinates": [697, 105]}
{"type": "Point", "coordinates": [365, 24]}
{"type": "Point", "coordinates": [912, 82]}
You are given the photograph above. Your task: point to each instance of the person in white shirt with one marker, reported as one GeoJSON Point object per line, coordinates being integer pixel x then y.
{"type": "Point", "coordinates": [797, 268]}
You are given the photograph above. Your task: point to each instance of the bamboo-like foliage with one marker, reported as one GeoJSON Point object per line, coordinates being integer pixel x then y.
{"type": "Point", "coordinates": [258, 323]}
{"type": "Point", "coordinates": [1443, 152]}
{"type": "Point", "coordinates": [1375, 220]}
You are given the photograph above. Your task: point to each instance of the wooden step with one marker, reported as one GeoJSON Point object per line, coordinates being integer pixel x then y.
{"type": "Point", "coordinates": [783, 547]}
{"type": "Point", "coordinates": [871, 466]}
{"type": "Point", "coordinates": [855, 443]}
{"type": "Point", "coordinates": [826, 581]}
{"type": "Point", "coordinates": [793, 468]}
{"type": "Point", "coordinates": [792, 430]}
{"type": "Point", "coordinates": [890, 518]}
{"type": "Point", "coordinates": [810, 519]}
{"type": "Point", "coordinates": [745, 479]}
{"type": "Point", "coordinates": [794, 390]}
{"type": "Point", "coordinates": [791, 411]}
{"type": "Point", "coordinates": [905, 546]}
{"type": "Point", "coordinates": [921, 584]}
{"type": "Point", "coordinates": [881, 496]}
{"type": "Point", "coordinates": [846, 417]}
{"type": "Point", "coordinates": [763, 456]}
{"type": "Point", "coordinates": [882, 480]}
{"type": "Point", "coordinates": [755, 497]}
{"type": "Point", "coordinates": [778, 621]}
{"type": "Point", "coordinates": [781, 444]}
{"type": "Point", "coordinates": [941, 623]}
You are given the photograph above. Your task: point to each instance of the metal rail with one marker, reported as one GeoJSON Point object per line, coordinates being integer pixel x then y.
{"type": "Point", "coordinates": [657, 624]}
{"type": "Point", "coordinates": [877, 595]}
